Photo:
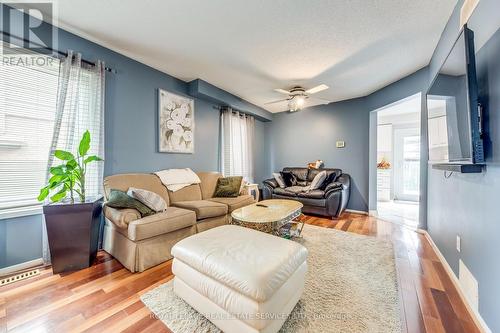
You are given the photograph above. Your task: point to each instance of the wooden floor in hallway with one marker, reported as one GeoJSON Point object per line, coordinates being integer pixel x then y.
{"type": "Point", "coordinates": [106, 297]}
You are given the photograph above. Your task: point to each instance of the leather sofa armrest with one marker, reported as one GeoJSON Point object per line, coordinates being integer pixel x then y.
{"type": "Point", "coordinates": [343, 182]}
{"type": "Point", "coordinates": [332, 187]}
{"type": "Point", "coordinates": [271, 182]}
{"type": "Point", "coordinates": [268, 188]}
{"type": "Point", "coordinates": [121, 217]}
{"type": "Point", "coordinates": [337, 194]}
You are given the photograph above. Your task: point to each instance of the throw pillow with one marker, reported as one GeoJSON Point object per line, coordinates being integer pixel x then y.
{"type": "Point", "coordinates": [317, 181]}
{"type": "Point", "coordinates": [279, 179]}
{"type": "Point", "coordinates": [289, 178]}
{"type": "Point", "coordinates": [228, 187]}
{"type": "Point", "coordinates": [330, 178]}
{"type": "Point", "coordinates": [120, 199]}
{"type": "Point", "coordinates": [150, 199]}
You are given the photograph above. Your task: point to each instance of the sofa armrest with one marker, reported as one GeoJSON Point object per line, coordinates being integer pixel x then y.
{"type": "Point", "coordinates": [121, 217]}
{"type": "Point", "coordinates": [268, 187]}
{"type": "Point", "coordinates": [271, 182]}
{"type": "Point", "coordinates": [332, 187]}
{"type": "Point", "coordinates": [337, 194]}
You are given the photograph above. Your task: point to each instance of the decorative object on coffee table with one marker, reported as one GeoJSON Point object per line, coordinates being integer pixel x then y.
{"type": "Point", "coordinates": [275, 216]}
{"type": "Point", "coordinates": [72, 224]}
{"type": "Point", "coordinates": [175, 123]}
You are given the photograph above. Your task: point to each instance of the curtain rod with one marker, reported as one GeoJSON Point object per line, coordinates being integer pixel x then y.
{"type": "Point", "coordinates": [220, 108]}
{"type": "Point", "coordinates": [64, 54]}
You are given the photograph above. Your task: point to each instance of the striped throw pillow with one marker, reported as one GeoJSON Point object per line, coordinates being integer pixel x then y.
{"type": "Point", "coordinates": [150, 199]}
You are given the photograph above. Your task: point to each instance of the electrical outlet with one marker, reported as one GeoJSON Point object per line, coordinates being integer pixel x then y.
{"type": "Point", "coordinates": [459, 241]}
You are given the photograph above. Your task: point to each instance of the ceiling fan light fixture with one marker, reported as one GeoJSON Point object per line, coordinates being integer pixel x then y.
{"type": "Point", "coordinates": [296, 103]}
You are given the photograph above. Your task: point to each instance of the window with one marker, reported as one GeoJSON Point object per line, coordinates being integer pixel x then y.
{"type": "Point", "coordinates": [237, 144]}
{"type": "Point", "coordinates": [28, 93]}
{"type": "Point", "coordinates": [31, 126]}
{"type": "Point", "coordinates": [411, 164]}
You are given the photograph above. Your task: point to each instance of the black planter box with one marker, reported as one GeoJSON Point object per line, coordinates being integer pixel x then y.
{"type": "Point", "coordinates": [73, 232]}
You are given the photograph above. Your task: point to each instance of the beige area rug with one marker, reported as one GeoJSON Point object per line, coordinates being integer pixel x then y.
{"type": "Point", "coordinates": [350, 286]}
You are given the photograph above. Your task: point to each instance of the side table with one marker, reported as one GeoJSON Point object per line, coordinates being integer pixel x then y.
{"type": "Point", "coordinates": [254, 188]}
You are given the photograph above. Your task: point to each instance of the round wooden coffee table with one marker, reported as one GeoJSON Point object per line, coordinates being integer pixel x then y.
{"type": "Point", "coordinates": [274, 216]}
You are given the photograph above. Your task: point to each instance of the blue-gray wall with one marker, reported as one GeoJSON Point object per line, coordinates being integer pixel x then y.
{"type": "Point", "coordinates": [130, 134]}
{"type": "Point", "coordinates": [468, 205]}
{"type": "Point", "coordinates": [20, 240]}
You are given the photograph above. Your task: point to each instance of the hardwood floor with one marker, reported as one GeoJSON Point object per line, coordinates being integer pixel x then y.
{"type": "Point", "coordinates": [105, 297]}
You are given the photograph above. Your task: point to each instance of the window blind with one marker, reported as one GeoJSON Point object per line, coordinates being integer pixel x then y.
{"type": "Point", "coordinates": [28, 92]}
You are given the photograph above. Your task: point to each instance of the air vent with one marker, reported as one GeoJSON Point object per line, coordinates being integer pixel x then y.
{"type": "Point", "coordinates": [19, 277]}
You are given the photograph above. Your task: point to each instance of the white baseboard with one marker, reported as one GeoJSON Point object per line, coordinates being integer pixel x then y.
{"type": "Point", "coordinates": [478, 320]}
{"type": "Point", "coordinates": [356, 211]}
{"type": "Point", "coordinates": [21, 266]}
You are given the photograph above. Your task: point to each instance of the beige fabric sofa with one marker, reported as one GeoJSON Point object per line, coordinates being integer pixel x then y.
{"type": "Point", "coordinates": [140, 243]}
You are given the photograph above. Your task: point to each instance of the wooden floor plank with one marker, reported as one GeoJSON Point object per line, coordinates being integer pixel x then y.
{"type": "Point", "coordinates": [106, 297]}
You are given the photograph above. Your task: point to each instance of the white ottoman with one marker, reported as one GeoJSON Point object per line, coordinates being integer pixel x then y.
{"type": "Point", "coordinates": [242, 280]}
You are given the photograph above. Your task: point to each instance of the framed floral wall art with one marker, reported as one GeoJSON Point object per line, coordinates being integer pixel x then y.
{"type": "Point", "coordinates": [175, 123]}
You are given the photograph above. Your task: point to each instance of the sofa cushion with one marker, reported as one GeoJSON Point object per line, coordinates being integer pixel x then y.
{"type": "Point", "coordinates": [208, 183]}
{"type": "Point", "coordinates": [188, 193]}
{"type": "Point", "coordinates": [300, 173]}
{"type": "Point", "coordinates": [312, 194]}
{"type": "Point", "coordinates": [171, 219]}
{"type": "Point", "coordinates": [203, 208]}
{"type": "Point", "coordinates": [146, 181]}
{"type": "Point", "coordinates": [283, 191]}
{"type": "Point", "coordinates": [329, 171]}
{"type": "Point", "coordinates": [297, 189]}
{"type": "Point", "coordinates": [235, 203]}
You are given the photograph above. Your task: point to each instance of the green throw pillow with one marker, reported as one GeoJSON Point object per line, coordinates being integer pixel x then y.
{"type": "Point", "coordinates": [120, 199]}
{"type": "Point", "coordinates": [228, 187]}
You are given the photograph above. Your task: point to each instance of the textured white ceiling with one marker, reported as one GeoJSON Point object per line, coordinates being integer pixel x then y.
{"type": "Point", "coordinates": [249, 48]}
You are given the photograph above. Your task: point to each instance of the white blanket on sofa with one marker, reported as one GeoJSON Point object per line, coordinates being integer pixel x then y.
{"type": "Point", "coordinates": [176, 179]}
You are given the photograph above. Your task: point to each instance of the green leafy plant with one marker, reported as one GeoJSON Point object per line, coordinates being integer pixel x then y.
{"type": "Point", "coordinates": [69, 177]}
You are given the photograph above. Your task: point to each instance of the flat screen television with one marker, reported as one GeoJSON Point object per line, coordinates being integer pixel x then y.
{"type": "Point", "coordinates": [454, 114]}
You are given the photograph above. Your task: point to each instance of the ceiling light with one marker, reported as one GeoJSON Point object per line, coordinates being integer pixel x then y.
{"type": "Point", "coordinates": [296, 103]}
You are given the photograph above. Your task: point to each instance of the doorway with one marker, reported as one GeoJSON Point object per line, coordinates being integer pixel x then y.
{"type": "Point", "coordinates": [398, 161]}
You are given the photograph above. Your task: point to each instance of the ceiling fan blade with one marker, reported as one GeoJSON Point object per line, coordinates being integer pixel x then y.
{"type": "Point", "coordinates": [322, 100]}
{"type": "Point", "coordinates": [275, 102]}
{"type": "Point", "coordinates": [282, 91]}
{"type": "Point", "coordinates": [316, 89]}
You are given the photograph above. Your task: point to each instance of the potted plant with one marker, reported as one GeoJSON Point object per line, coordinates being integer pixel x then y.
{"type": "Point", "coordinates": [72, 219]}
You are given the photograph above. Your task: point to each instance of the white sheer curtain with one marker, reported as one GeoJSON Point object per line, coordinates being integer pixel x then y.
{"type": "Point", "coordinates": [79, 107]}
{"type": "Point", "coordinates": [237, 152]}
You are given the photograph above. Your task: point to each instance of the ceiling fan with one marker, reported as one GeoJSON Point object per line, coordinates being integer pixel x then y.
{"type": "Point", "coordinates": [298, 95]}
